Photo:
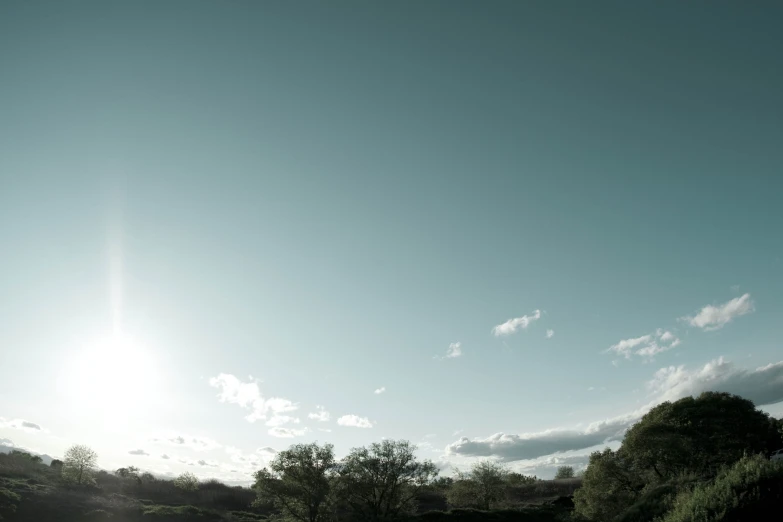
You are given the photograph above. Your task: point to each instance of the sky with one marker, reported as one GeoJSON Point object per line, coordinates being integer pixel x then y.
{"type": "Point", "coordinates": [498, 231]}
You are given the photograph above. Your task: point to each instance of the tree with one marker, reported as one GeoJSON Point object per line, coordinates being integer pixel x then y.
{"type": "Point", "coordinates": [298, 481]}
{"type": "Point", "coordinates": [79, 464]}
{"type": "Point", "coordinates": [381, 482]}
{"type": "Point", "coordinates": [609, 486]}
{"type": "Point", "coordinates": [698, 435]}
{"type": "Point", "coordinates": [673, 445]}
{"type": "Point", "coordinates": [518, 479]}
{"type": "Point", "coordinates": [564, 472]}
{"type": "Point", "coordinates": [483, 486]}
{"type": "Point", "coordinates": [131, 472]}
{"type": "Point", "coordinates": [29, 457]}
{"type": "Point", "coordinates": [56, 464]}
{"type": "Point", "coordinates": [186, 481]}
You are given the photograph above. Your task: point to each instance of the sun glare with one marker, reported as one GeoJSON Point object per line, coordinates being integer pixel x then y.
{"type": "Point", "coordinates": [114, 377]}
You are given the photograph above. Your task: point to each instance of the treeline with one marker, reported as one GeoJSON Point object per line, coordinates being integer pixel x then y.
{"type": "Point", "coordinates": [699, 459]}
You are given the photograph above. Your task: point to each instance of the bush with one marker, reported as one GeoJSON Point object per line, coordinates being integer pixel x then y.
{"type": "Point", "coordinates": [8, 502]}
{"type": "Point", "coordinates": [751, 489]}
{"type": "Point", "coordinates": [184, 513]}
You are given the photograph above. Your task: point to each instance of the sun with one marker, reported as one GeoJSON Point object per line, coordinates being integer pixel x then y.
{"type": "Point", "coordinates": [113, 378]}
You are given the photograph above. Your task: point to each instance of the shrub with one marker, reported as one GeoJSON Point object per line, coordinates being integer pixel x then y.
{"type": "Point", "coordinates": [751, 489]}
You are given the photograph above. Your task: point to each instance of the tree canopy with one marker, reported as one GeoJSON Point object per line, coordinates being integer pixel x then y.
{"type": "Point", "coordinates": [79, 464]}
{"type": "Point", "coordinates": [299, 482]}
{"type": "Point", "coordinates": [381, 481]}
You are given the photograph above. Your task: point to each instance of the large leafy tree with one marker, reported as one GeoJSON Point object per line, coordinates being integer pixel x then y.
{"type": "Point", "coordinates": [610, 484]}
{"type": "Point", "coordinates": [692, 437]}
{"type": "Point", "coordinates": [79, 464]}
{"type": "Point", "coordinates": [698, 436]}
{"type": "Point", "coordinates": [380, 482]}
{"type": "Point", "coordinates": [298, 481]}
{"type": "Point", "coordinates": [483, 486]}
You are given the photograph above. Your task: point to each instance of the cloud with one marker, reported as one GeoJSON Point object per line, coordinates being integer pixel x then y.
{"type": "Point", "coordinates": [208, 464]}
{"type": "Point", "coordinates": [266, 451]}
{"type": "Point", "coordinates": [550, 334]}
{"type": "Point", "coordinates": [321, 415]}
{"type": "Point", "coordinates": [20, 424]}
{"type": "Point", "coordinates": [509, 447]}
{"type": "Point", "coordinates": [165, 457]}
{"type": "Point", "coordinates": [187, 441]}
{"type": "Point", "coordinates": [326, 430]}
{"type": "Point", "coordinates": [7, 442]}
{"type": "Point", "coordinates": [512, 325]}
{"type": "Point", "coordinates": [454, 351]}
{"type": "Point", "coordinates": [286, 433]}
{"type": "Point", "coordinates": [764, 386]}
{"type": "Point", "coordinates": [380, 390]}
{"type": "Point", "coordinates": [354, 421]}
{"type": "Point", "coordinates": [715, 317]}
{"type": "Point", "coordinates": [139, 452]}
{"type": "Point", "coordinates": [646, 346]}
{"type": "Point", "coordinates": [247, 395]}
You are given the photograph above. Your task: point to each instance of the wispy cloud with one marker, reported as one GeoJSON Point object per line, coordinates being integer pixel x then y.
{"type": "Point", "coordinates": [247, 395]}
{"type": "Point", "coordinates": [139, 452]}
{"type": "Point", "coordinates": [165, 457]}
{"type": "Point", "coordinates": [207, 463]}
{"type": "Point", "coordinates": [646, 346]}
{"type": "Point", "coordinates": [188, 441]}
{"type": "Point", "coordinates": [512, 325]}
{"type": "Point", "coordinates": [286, 433]}
{"type": "Point", "coordinates": [380, 390]}
{"type": "Point", "coordinates": [550, 334]}
{"type": "Point", "coordinates": [20, 424]}
{"type": "Point", "coordinates": [321, 415]}
{"type": "Point", "coordinates": [454, 351]}
{"type": "Point", "coordinates": [764, 386]}
{"type": "Point", "coordinates": [354, 421]}
{"type": "Point", "coordinates": [715, 317]}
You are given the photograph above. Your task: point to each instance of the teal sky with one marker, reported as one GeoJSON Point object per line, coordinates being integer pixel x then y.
{"type": "Point", "coordinates": [326, 196]}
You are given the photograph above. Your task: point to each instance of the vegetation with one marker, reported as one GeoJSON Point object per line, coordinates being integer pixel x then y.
{"type": "Point", "coordinates": [674, 448]}
{"type": "Point", "coordinates": [299, 482]}
{"type": "Point", "coordinates": [79, 465]}
{"type": "Point", "coordinates": [382, 482]}
{"type": "Point", "coordinates": [187, 482]}
{"type": "Point", "coordinates": [483, 487]}
{"type": "Point", "coordinates": [701, 459]}
{"type": "Point", "coordinates": [564, 472]}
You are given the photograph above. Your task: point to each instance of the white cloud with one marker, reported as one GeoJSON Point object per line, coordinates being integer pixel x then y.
{"type": "Point", "coordinates": [646, 346]}
{"type": "Point", "coordinates": [267, 451]}
{"type": "Point", "coordinates": [512, 325]}
{"type": "Point", "coordinates": [326, 430]}
{"type": "Point", "coordinates": [139, 452]}
{"type": "Point", "coordinates": [247, 460]}
{"type": "Point", "coordinates": [248, 396]}
{"type": "Point", "coordinates": [188, 441]}
{"type": "Point", "coordinates": [165, 457]}
{"type": "Point", "coordinates": [20, 424]}
{"type": "Point", "coordinates": [286, 433]}
{"type": "Point", "coordinates": [354, 421]}
{"type": "Point", "coordinates": [715, 317]}
{"type": "Point", "coordinates": [454, 351]}
{"type": "Point", "coordinates": [207, 463]}
{"type": "Point", "coordinates": [380, 390]}
{"type": "Point", "coordinates": [764, 386]}
{"type": "Point", "coordinates": [550, 334]}
{"type": "Point", "coordinates": [321, 415]}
